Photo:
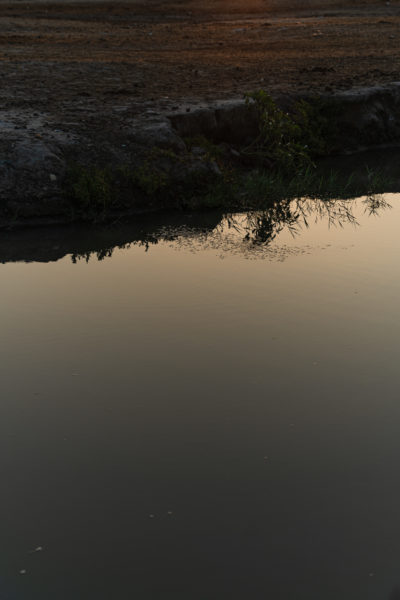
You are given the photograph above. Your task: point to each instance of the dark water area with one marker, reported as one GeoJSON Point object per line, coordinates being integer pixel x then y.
{"type": "Point", "coordinates": [203, 408]}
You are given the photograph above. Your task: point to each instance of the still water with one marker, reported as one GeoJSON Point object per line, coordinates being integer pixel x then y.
{"type": "Point", "coordinates": [203, 410]}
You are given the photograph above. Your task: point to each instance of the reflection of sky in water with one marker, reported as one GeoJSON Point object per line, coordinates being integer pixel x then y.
{"type": "Point", "coordinates": [256, 400]}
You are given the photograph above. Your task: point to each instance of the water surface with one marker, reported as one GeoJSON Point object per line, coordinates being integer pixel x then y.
{"type": "Point", "coordinates": [210, 411]}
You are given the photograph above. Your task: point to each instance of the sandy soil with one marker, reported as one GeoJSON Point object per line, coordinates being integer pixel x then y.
{"type": "Point", "coordinates": [60, 56]}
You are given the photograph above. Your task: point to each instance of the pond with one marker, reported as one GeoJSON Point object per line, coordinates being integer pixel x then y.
{"type": "Point", "coordinates": [203, 407]}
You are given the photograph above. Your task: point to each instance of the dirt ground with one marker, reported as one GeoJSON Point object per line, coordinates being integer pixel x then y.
{"type": "Point", "coordinates": [95, 82]}
{"type": "Point", "coordinates": [59, 56]}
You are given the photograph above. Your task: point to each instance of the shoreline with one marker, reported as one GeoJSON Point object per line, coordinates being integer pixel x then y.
{"type": "Point", "coordinates": [145, 96]}
{"type": "Point", "coordinates": [153, 154]}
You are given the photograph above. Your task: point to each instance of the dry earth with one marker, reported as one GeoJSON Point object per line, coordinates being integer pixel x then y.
{"type": "Point", "coordinates": [58, 55]}
{"type": "Point", "coordinates": [88, 80]}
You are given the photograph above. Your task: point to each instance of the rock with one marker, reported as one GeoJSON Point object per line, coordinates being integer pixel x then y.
{"type": "Point", "coordinates": [158, 134]}
{"type": "Point", "coordinates": [367, 117]}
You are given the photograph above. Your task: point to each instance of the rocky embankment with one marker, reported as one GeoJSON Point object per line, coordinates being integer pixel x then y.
{"type": "Point", "coordinates": [151, 147]}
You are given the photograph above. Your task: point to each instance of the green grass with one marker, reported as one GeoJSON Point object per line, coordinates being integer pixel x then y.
{"type": "Point", "coordinates": [260, 187]}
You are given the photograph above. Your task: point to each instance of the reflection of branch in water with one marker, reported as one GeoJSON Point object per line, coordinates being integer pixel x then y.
{"type": "Point", "coordinates": [245, 232]}
{"type": "Point", "coordinates": [375, 204]}
{"type": "Point", "coordinates": [100, 254]}
{"type": "Point", "coordinates": [262, 227]}
{"type": "Point", "coordinates": [108, 252]}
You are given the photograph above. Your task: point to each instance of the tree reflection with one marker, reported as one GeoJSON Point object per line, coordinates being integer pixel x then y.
{"type": "Point", "coordinates": [262, 227]}
{"type": "Point", "coordinates": [108, 252]}
{"type": "Point", "coordinates": [241, 232]}
{"type": "Point", "coordinates": [253, 229]}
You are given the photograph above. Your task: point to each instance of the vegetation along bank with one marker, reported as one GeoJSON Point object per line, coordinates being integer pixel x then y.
{"type": "Point", "coordinates": [239, 154]}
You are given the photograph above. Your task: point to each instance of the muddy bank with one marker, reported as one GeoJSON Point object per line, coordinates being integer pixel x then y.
{"type": "Point", "coordinates": [154, 150]}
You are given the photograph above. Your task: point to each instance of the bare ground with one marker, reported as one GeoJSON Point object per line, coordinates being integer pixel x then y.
{"type": "Point", "coordinates": [90, 80]}
{"type": "Point", "coordinates": [70, 57]}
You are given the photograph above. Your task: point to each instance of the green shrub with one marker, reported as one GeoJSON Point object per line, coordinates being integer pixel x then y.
{"type": "Point", "coordinates": [316, 120]}
{"type": "Point", "coordinates": [279, 141]}
{"type": "Point", "coordinates": [290, 142]}
{"type": "Point", "coordinates": [146, 178]}
{"type": "Point", "coordinates": [90, 190]}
